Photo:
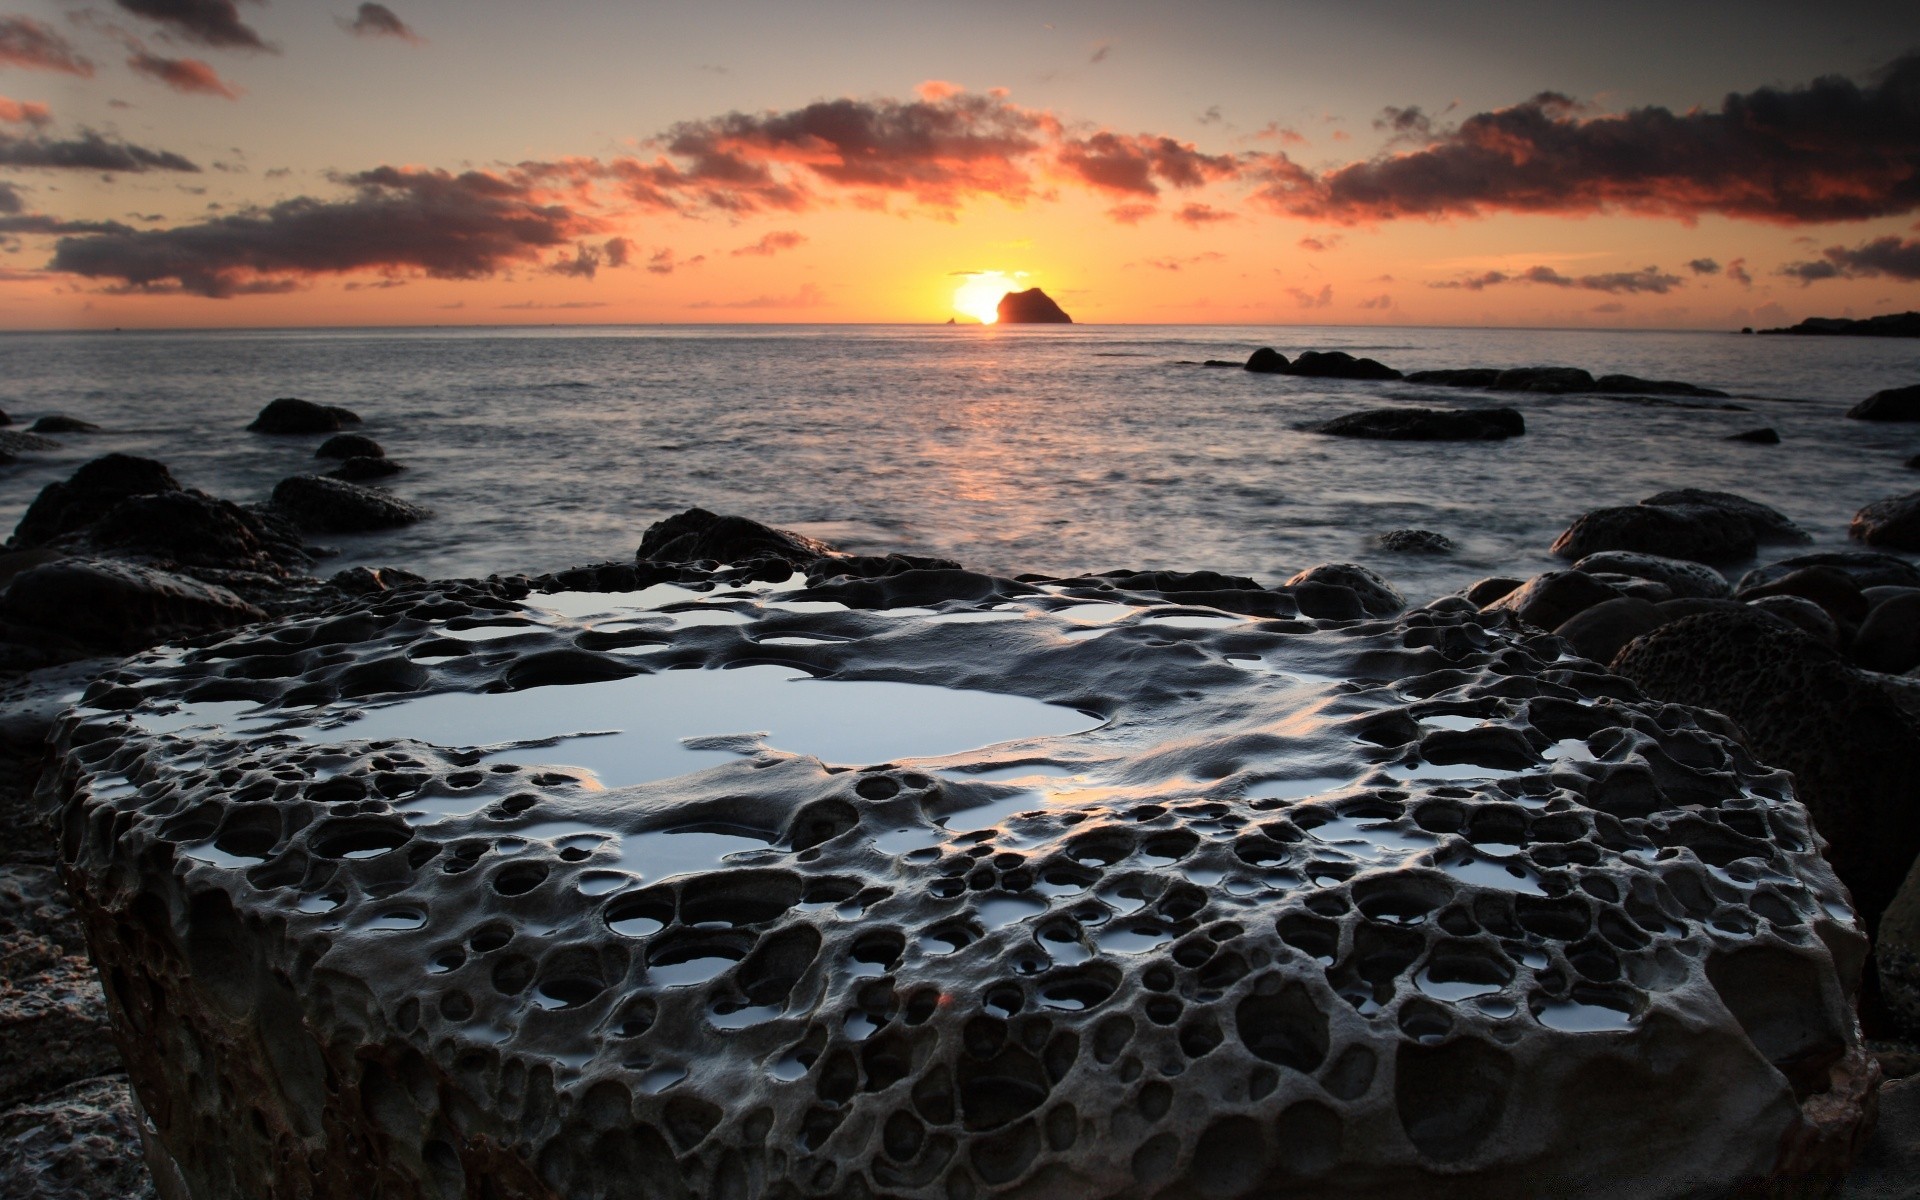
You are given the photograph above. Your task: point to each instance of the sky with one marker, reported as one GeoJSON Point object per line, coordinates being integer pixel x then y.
{"type": "Point", "coordinates": [216, 163]}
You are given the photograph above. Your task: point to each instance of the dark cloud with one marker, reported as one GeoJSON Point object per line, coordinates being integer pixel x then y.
{"type": "Point", "coordinates": [446, 226]}
{"type": "Point", "coordinates": [1317, 244]}
{"type": "Point", "coordinates": [1890, 257]}
{"type": "Point", "coordinates": [617, 250]}
{"type": "Point", "coordinates": [1196, 216]}
{"type": "Point", "coordinates": [1381, 303]}
{"type": "Point", "coordinates": [27, 43]}
{"type": "Point", "coordinates": [24, 112]}
{"type": "Point", "coordinates": [377, 20]}
{"type": "Point", "coordinates": [1405, 124]}
{"type": "Point", "coordinates": [89, 151]}
{"type": "Point", "coordinates": [584, 264]}
{"type": "Point", "coordinates": [535, 304]}
{"type": "Point", "coordinates": [663, 261]}
{"type": "Point", "coordinates": [1646, 280]}
{"type": "Point", "coordinates": [1737, 271]}
{"type": "Point", "coordinates": [10, 201]}
{"type": "Point", "coordinates": [1140, 163]}
{"type": "Point", "coordinates": [1131, 214]}
{"type": "Point", "coordinates": [36, 223]}
{"type": "Point", "coordinates": [1832, 150]}
{"type": "Point", "coordinates": [1306, 299]}
{"type": "Point", "coordinates": [208, 22]}
{"type": "Point", "coordinates": [1704, 266]}
{"type": "Point", "coordinates": [188, 75]}
{"type": "Point", "coordinates": [773, 243]}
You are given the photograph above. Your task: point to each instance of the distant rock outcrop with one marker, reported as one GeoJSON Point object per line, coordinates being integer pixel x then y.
{"type": "Point", "coordinates": [1031, 307]}
{"type": "Point", "coordinates": [1906, 324]}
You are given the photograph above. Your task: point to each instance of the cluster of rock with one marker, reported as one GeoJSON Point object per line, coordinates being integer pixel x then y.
{"type": "Point", "coordinates": [34, 439]}
{"type": "Point", "coordinates": [1535, 930]}
{"type": "Point", "coordinates": [1338, 364]}
{"type": "Point", "coordinates": [120, 555]}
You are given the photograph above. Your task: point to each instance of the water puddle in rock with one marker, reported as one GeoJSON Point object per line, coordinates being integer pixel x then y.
{"type": "Point", "coordinates": [974, 618]}
{"type": "Point", "coordinates": [1195, 621]}
{"type": "Point", "coordinates": [1374, 838]}
{"type": "Point", "coordinates": [653, 855]}
{"type": "Point", "coordinates": [634, 730]}
{"type": "Point", "coordinates": [1572, 1016]}
{"type": "Point", "coordinates": [1500, 876]}
{"type": "Point", "coordinates": [1095, 614]}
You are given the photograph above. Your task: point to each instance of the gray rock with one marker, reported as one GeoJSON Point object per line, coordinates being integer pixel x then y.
{"type": "Point", "coordinates": [1867, 567]}
{"type": "Point", "coordinates": [356, 469]}
{"type": "Point", "coordinates": [55, 423]}
{"type": "Point", "coordinates": [1701, 534]}
{"type": "Point", "coordinates": [1427, 424]}
{"type": "Point", "coordinates": [1633, 385]}
{"type": "Point", "coordinates": [80, 1143]}
{"type": "Point", "coordinates": [302, 416]}
{"type": "Point", "coordinates": [1551, 599]}
{"type": "Point", "coordinates": [1553, 380]}
{"type": "Point", "coordinates": [1829, 587]}
{"type": "Point", "coordinates": [1483, 592]}
{"type": "Point", "coordinates": [1893, 522]}
{"type": "Point", "coordinates": [1769, 525]}
{"type": "Point", "coordinates": [120, 604]}
{"type": "Point", "coordinates": [1893, 404]}
{"type": "Point", "coordinates": [350, 445]}
{"type": "Point", "coordinates": [1416, 541]}
{"type": "Point", "coordinates": [1804, 615]}
{"type": "Point", "coordinates": [1466, 377]}
{"type": "Point", "coordinates": [333, 506]}
{"type": "Point", "coordinates": [1377, 597]}
{"type": "Point", "coordinates": [1681, 577]}
{"type": "Point", "coordinates": [1599, 632]}
{"type": "Point", "coordinates": [1850, 747]}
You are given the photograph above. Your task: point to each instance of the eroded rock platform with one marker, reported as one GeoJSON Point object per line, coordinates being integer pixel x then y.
{"type": "Point", "coordinates": [744, 888]}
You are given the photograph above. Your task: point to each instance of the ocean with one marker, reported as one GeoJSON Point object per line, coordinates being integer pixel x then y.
{"type": "Point", "coordinates": [1043, 449]}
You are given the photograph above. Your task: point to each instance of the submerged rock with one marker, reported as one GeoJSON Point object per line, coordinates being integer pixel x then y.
{"type": "Point", "coordinates": [350, 445]}
{"type": "Point", "coordinates": [1893, 404]}
{"type": "Point", "coordinates": [1427, 424]}
{"type": "Point", "coordinates": [1893, 522]}
{"type": "Point", "coordinates": [1764, 436]}
{"type": "Point", "coordinates": [359, 468]}
{"type": "Point", "coordinates": [1416, 541]}
{"type": "Point", "coordinates": [1633, 385]}
{"type": "Point", "coordinates": [321, 505]}
{"type": "Point", "coordinates": [1518, 965]}
{"type": "Point", "coordinates": [1031, 307]}
{"type": "Point", "coordinates": [1467, 377]}
{"type": "Point", "coordinates": [302, 416]}
{"type": "Point", "coordinates": [55, 423]}
{"type": "Point", "coordinates": [1543, 379]}
{"type": "Point", "coordinates": [1338, 364]}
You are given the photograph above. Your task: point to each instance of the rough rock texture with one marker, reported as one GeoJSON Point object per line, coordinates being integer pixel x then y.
{"type": "Point", "coordinates": [1697, 534]}
{"type": "Point", "coordinates": [350, 445]}
{"type": "Point", "coordinates": [1681, 577]}
{"type": "Point", "coordinates": [72, 504]}
{"type": "Point", "coordinates": [1769, 525]}
{"type": "Point", "coordinates": [1804, 615]}
{"type": "Point", "coordinates": [1552, 598]}
{"type": "Point", "coordinates": [1893, 522]}
{"type": "Point", "coordinates": [1896, 952]}
{"type": "Point", "coordinates": [1031, 307]}
{"type": "Point", "coordinates": [1375, 596]}
{"type": "Point", "coordinates": [1850, 747]}
{"type": "Point", "coordinates": [697, 535]}
{"type": "Point", "coordinates": [302, 416]}
{"type": "Point", "coordinates": [356, 469]}
{"type": "Point", "coordinates": [1416, 541]}
{"type": "Point", "coordinates": [334, 506]}
{"type": "Point", "coordinates": [1427, 424]}
{"type": "Point", "coordinates": [80, 1143]}
{"type": "Point", "coordinates": [1890, 1162]}
{"type": "Point", "coordinates": [1869, 569]}
{"type": "Point", "coordinates": [1381, 908]}
{"type": "Point", "coordinates": [1893, 404]}
{"type": "Point", "coordinates": [119, 604]}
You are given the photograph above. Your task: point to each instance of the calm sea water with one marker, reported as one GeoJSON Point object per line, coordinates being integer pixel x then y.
{"type": "Point", "coordinates": [1023, 449]}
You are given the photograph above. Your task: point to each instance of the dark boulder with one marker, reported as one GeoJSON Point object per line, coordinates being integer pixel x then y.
{"type": "Point", "coordinates": [1482, 592]}
{"type": "Point", "coordinates": [697, 535]}
{"type": "Point", "coordinates": [1031, 307]}
{"type": "Point", "coordinates": [1681, 577]}
{"type": "Point", "coordinates": [1889, 637]}
{"type": "Point", "coordinates": [191, 528]}
{"type": "Point", "coordinates": [1831, 588]}
{"type": "Point", "coordinates": [56, 423]}
{"type": "Point", "coordinates": [1633, 385]}
{"type": "Point", "coordinates": [1768, 524]}
{"type": "Point", "coordinates": [1706, 535]}
{"type": "Point", "coordinates": [1466, 377]}
{"type": "Point", "coordinates": [120, 605]}
{"type": "Point", "coordinates": [321, 505]}
{"type": "Point", "coordinates": [1427, 425]}
{"type": "Point", "coordinates": [1893, 404]}
{"type": "Point", "coordinates": [1338, 364]}
{"type": "Point", "coordinates": [363, 581]}
{"type": "Point", "coordinates": [1766, 435]}
{"type": "Point", "coordinates": [1868, 569]}
{"type": "Point", "coordinates": [1552, 598]}
{"type": "Point", "coordinates": [1267, 361]}
{"type": "Point", "coordinates": [1633, 585]}
{"type": "Point", "coordinates": [1599, 632]}
{"type": "Point", "coordinates": [1913, 464]}
{"type": "Point", "coordinates": [350, 445]}
{"type": "Point", "coordinates": [1893, 522]}
{"type": "Point", "coordinates": [1317, 588]}
{"type": "Point", "coordinates": [82, 498]}
{"type": "Point", "coordinates": [13, 443]}
{"type": "Point", "coordinates": [302, 416]}
{"type": "Point", "coordinates": [1552, 380]}
{"type": "Point", "coordinates": [5, 419]}
{"type": "Point", "coordinates": [1804, 615]}
{"type": "Point", "coordinates": [1849, 745]}
{"type": "Point", "coordinates": [1415, 541]}
{"type": "Point", "coordinates": [356, 469]}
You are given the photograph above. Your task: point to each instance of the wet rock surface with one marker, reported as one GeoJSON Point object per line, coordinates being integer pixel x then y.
{"type": "Point", "coordinates": [302, 416]}
{"type": "Point", "coordinates": [321, 505]}
{"type": "Point", "coordinates": [1893, 404]}
{"type": "Point", "coordinates": [1893, 523]}
{"type": "Point", "coordinates": [1406, 905]}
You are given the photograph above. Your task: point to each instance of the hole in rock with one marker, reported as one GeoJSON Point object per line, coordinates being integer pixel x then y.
{"type": "Point", "coordinates": [355, 839]}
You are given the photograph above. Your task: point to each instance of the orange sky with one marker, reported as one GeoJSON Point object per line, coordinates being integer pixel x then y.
{"type": "Point", "coordinates": [446, 163]}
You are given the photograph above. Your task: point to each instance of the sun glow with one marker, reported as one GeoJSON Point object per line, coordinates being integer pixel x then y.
{"type": "Point", "coordinates": [978, 295]}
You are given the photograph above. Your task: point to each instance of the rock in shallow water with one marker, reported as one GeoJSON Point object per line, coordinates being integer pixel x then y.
{"type": "Point", "coordinates": [322, 505]}
{"type": "Point", "coordinates": [1389, 908]}
{"type": "Point", "coordinates": [301, 416]}
{"type": "Point", "coordinates": [1893, 522]}
{"type": "Point", "coordinates": [1427, 424]}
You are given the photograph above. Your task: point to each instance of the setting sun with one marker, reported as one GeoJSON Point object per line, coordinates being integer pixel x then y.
{"type": "Point", "coordinates": [978, 296]}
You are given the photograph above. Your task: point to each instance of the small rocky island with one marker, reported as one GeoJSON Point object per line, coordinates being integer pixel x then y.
{"type": "Point", "coordinates": [1906, 324]}
{"type": "Point", "coordinates": [1031, 307]}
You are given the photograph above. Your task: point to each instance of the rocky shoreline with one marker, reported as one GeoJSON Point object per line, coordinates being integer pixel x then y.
{"type": "Point", "coordinates": [120, 557]}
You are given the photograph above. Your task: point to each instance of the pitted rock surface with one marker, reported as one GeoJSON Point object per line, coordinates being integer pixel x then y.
{"type": "Point", "coordinates": [1390, 906]}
